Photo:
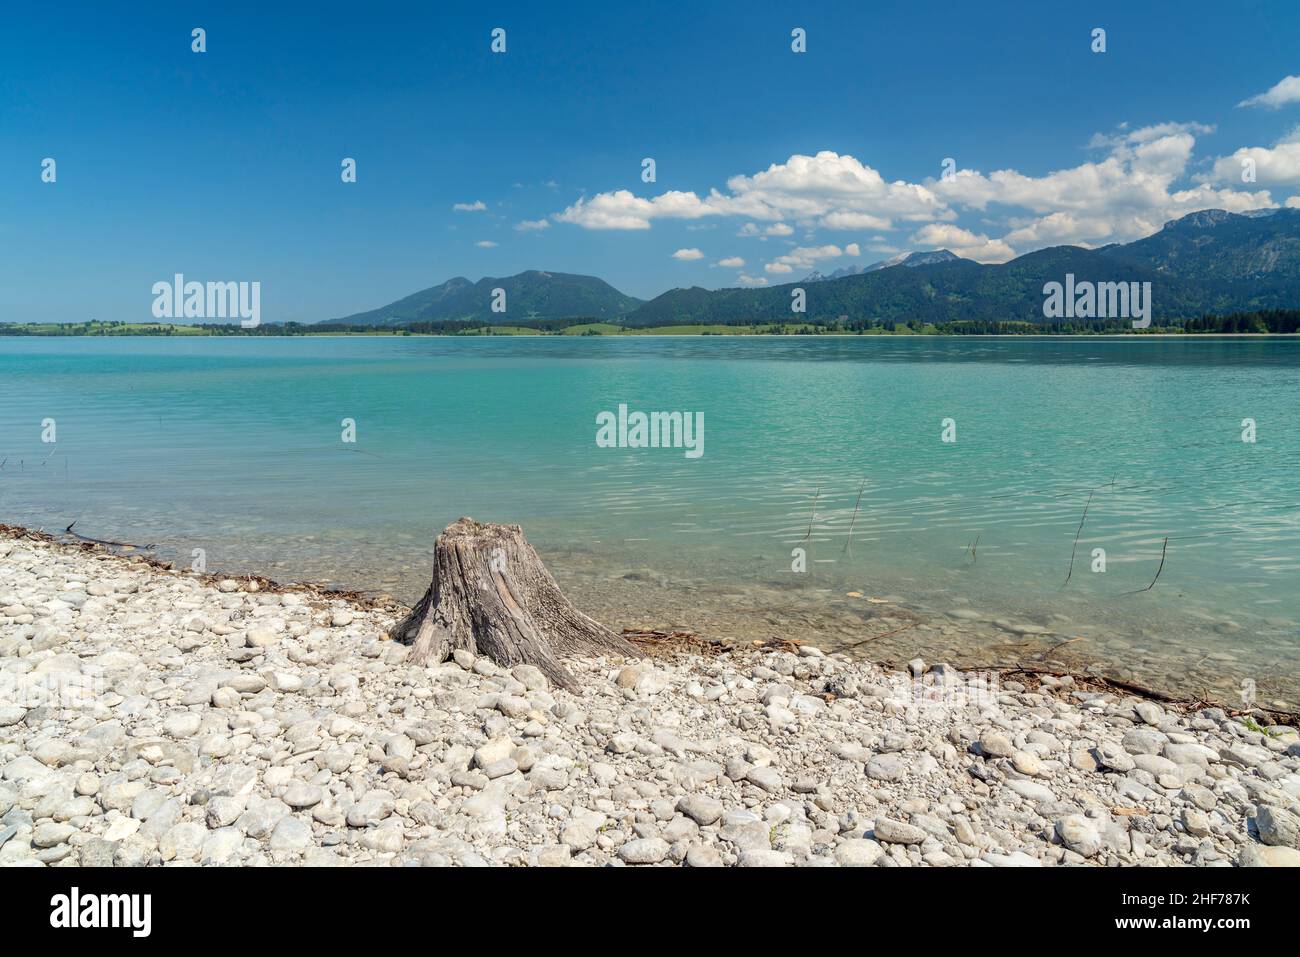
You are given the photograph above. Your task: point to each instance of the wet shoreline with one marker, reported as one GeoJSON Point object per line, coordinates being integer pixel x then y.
{"type": "Point", "coordinates": [886, 630]}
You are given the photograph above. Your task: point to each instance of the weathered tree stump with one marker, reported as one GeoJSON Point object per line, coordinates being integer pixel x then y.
{"type": "Point", "coordinates": [491, 595]}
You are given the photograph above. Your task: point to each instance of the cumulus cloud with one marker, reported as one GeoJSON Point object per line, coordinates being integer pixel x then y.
{"type": "Point", "coordinates": [805, 188]}
{"type": "Point", "coordinates": [810, 188]}
{"type": "Point", "coordinates": [1142, 179]}
{"type": "Point", "coordinates": [1207, 197]}
{"type": "Point", "coordinates": [851, 220]}
{"type": "Point", "coordinates": [623, 210]}
{"type": "Point", "coordinates": [1286, 90]}
{"type": "Point", "coordinates": [802, 257]}
{"type": "Point", "coordinates": [731, 262]}
{"type": "Point", "coordinates": [750, 281]}
{"type": "Point", "coordinates": [1137, 173]}
{"type": "Point", "coordinates": [485, 244]}
{"type": "Point", "coordinates": [687, 255]}
{"type": "Point", "coordinates": [776, 229]}
{"type": "Point", "coordinates": [1124, 196]}
{"type": "Point", "coordinates": [1278, 165]}
{"type": "Point", "coordinates": [1056, 229]}
{"type": "Point", "coordinates": [963, 243]}
{"type": "Point", "coordinates": [475, 207]}
{"type": "Point", "coordinates": [532, 225]}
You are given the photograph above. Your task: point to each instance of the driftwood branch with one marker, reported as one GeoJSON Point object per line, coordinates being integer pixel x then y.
{"type": "Point", "coordinates": [102, 541]}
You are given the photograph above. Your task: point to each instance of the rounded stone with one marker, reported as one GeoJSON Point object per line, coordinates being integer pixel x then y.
{"type": "Point", "coordinates": [646, 850]}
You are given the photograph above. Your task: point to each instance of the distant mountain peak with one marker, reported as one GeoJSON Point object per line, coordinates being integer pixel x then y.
{"type": "Point", "coordinates": [914, 259]}
{"type": "Point", "coordinates": [1201, 219]}
{"type": "Point", "coordinates": [530, 295]}
{"type": "Point", "coordinates": [923, 258]}
{"type": "Point", "coordinates": [1209, 218]}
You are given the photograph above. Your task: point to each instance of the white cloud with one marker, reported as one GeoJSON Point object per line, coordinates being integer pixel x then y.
{"type": "Point", "coordinates": [1207, 197]}
{"type": "Point", "coordinates": [850, 220]}
{"type": "Point", "coordinates": [731, 262]}
{"type": "Point", "coordinates": [1286, 90]}
{"type": "Point", "coordinates": [805, 188]}
{"type": "Point", "coordinates": [751, 280]}
{"type": "Point", "coordinates": [802, 257]}
{"type": "Point", "coordinates": [1137, 173]}
{"type": "Point", "coordinates": [1278, 165]}
{"type": "Point", "coordinates": [1142, 180]}
{"type": "Point", "coordinates": [811, 188]}
{"type": "Point", "coordinates": [1056, 229]}
{"type": "Point", "coordinates": [532, 225]}
{"type": "Point", "coordinates": [963, 242]}
{"type": "Point", "coordinates": [852, 249]}
{"type": "Point", "coordinates": [776, 229]}
{"type": "Point", "coordinates": [622, 210]}
{"type": "Point", "coordinates": [687, 255]}
{"type": "Point", "coordinates": [474, 207]}
{"type": "Point", "coordinates": [1125, 196]}
{"type": "Point", "coordinates": [485, 244]}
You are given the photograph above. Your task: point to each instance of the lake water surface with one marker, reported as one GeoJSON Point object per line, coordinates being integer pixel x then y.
{"type": "Point", "coordinates": [235, 446]}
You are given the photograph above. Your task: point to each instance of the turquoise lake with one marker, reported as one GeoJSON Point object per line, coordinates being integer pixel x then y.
{"type": "Point", "coordinates": [235, 446]}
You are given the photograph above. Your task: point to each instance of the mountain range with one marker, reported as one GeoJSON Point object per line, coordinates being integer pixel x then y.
{"type": "Point", "coordinates": [902, 259]}
{"type": "Point", "coordinates": [529, 296]}
{"type": "Point", "coordinates": [1210, 261]}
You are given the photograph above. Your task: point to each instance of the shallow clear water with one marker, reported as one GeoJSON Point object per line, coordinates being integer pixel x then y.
{"type": "Point", "coordinates": [234, 446]}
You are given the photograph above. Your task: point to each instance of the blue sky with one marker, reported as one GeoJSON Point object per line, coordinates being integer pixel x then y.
{"type": "Point", "coordinates": [225, 165]}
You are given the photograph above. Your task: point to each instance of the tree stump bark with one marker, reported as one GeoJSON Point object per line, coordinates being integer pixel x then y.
{"type": "Point", "coordinates": [491, 595]}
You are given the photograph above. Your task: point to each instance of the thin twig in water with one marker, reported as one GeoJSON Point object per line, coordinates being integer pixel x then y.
{"type": "Point", "coordinates": [848, 544]}
{"type": "Point", "coordinates": [102, 541]}
{"type": "Point", "coordinates": [808, 535]}
{"type": "Point", "coordinates": [884, 634]}
{"type": "Point", "coordinates": [1060, 644]}
{"type": "Point", "coordinates": [1163, 551]}
{"type": "Point", "coordinates": [1077, 532]}
{"type": "Point", "coordinates": [974, 549]}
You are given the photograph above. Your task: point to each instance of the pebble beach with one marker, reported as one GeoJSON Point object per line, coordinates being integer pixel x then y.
{"type": "Point", "coordinates": [153, 717]}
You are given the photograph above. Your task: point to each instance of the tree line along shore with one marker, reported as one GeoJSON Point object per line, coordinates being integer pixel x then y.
{"type": "Point", "coordinates": [1263, 322]}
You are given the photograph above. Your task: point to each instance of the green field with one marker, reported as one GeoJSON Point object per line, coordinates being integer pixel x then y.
{"type": "Point", "coordinates": [108, 329]}
{"type": "Point", "coordinates": [592, 329]}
